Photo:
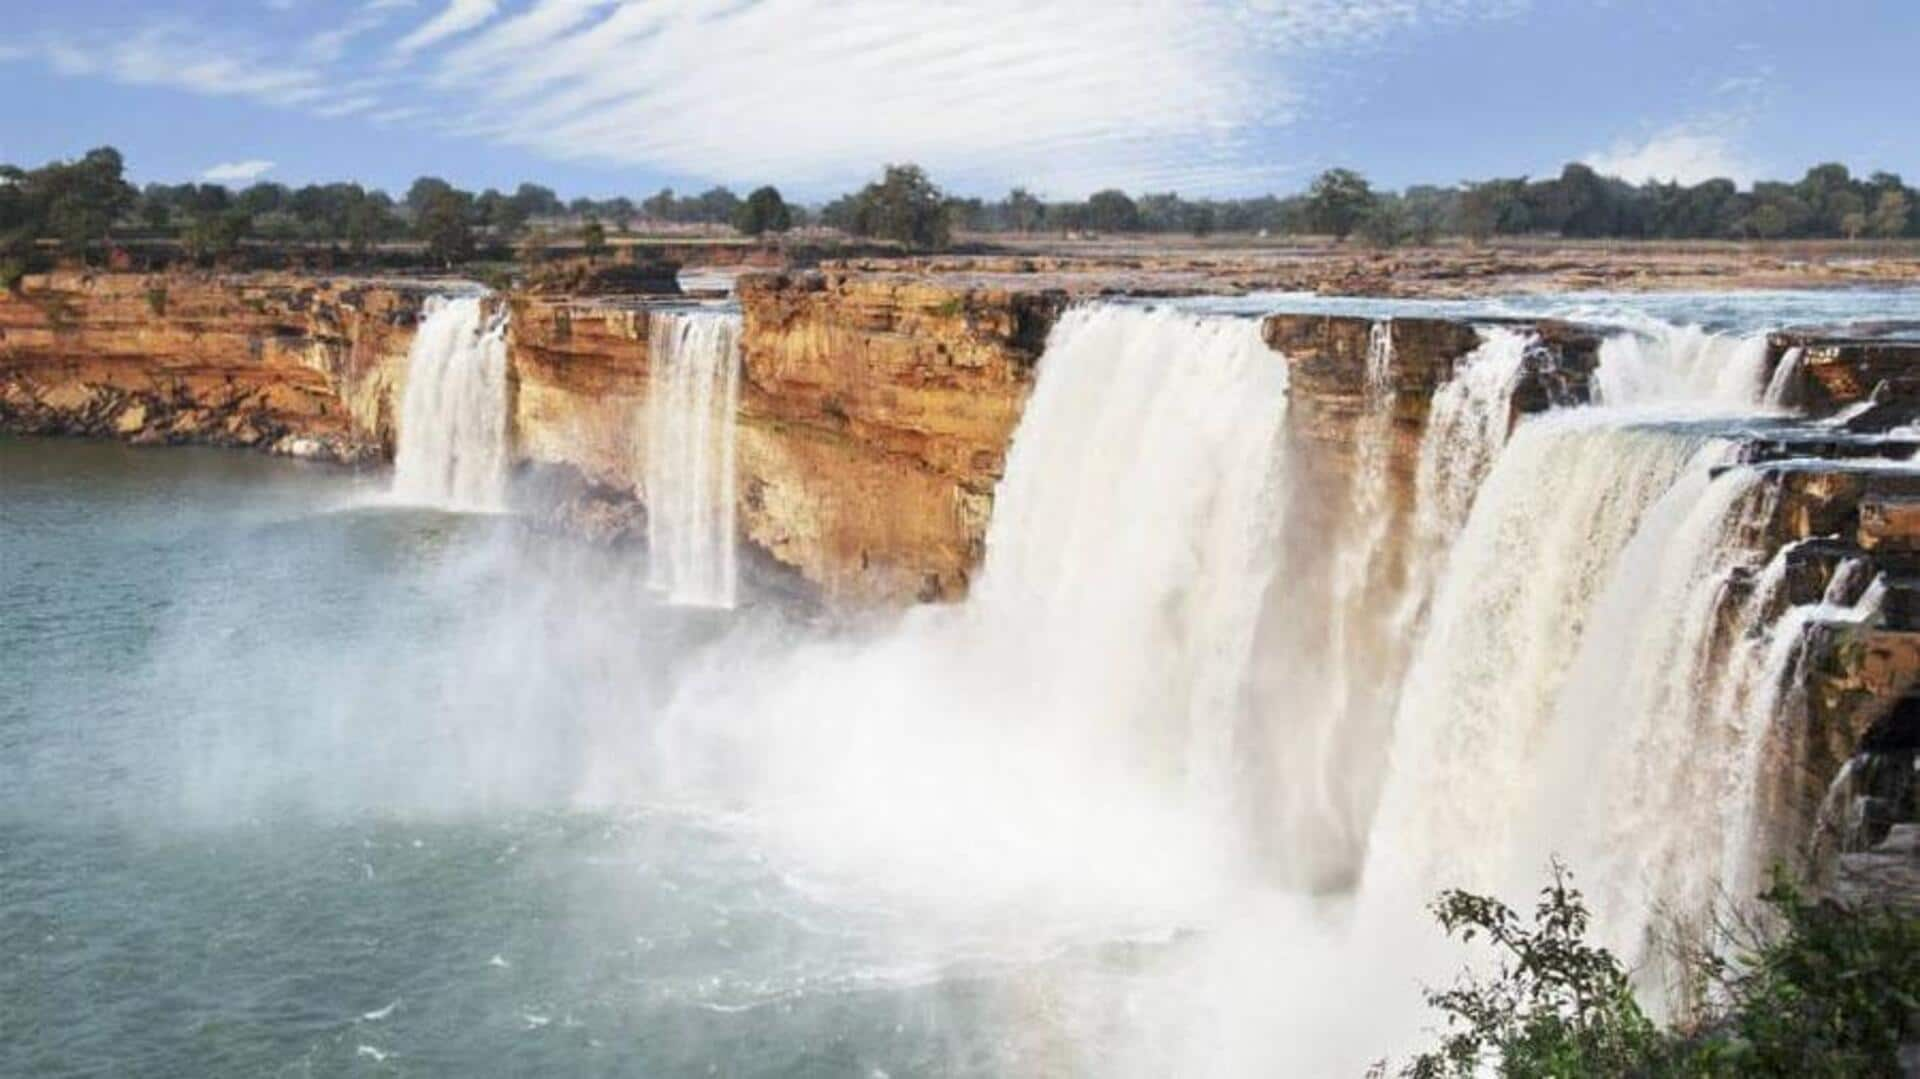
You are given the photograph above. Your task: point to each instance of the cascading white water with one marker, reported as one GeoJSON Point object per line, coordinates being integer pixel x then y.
{"type": "Point", "coordinates": [1658, 363]}
{"type": "Point", "coordinates": [692, 401]}
{"type": "Point", "coordinates": [1087, 695]}
{"type": "Point", "coordinates": [452, 437]}
{"type": "Point", "coordinates": [1467, 424]}
{"type": "Point", "coordinates": [1784, 383]}
{"type": "Point", "coordinates": [1509, 619]}
{"type": "Point", "coordinates": [1157, 674]}
{"type": "Point", "coordinates": [1356, 702]}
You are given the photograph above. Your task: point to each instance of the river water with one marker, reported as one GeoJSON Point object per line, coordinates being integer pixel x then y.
{"type": "Point", "coordinates": [289, 785]}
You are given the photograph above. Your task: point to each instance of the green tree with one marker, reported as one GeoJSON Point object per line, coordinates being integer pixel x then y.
{"type": "Point", "coordinates": [1426, 213]}
{"type": "Point", "coordinates": [1557, 1005]}
{"type": "Point", "coordinates": [218, 237]}
{"type": "Point", "coordinates": [621, 211]}
{"type": "Point", "coordinates": [661, 205]}
{"type": "Point", "coordinates": [1338, 201]}
{"type": "Point", "coordinates": [82, 199]}
{"type": "Point", "coordinates": [1386, 225]}
{"type": "Point", "coordinates": [1831, 991]}
{"type": "Point", "coordinates": [423, 192]}
{"type": "Point", "coordinates": [1494, 208]}
{"type": "Point", "coordinates": [764, 211]}
{"type": "Point", "coordinates": [593, 239]}
{"type": "Point", "coordinates": [442, 221]}
{"type": "Point", "coordinates": [368, 223]}
{"type": "Point", "coordinates": [1025, 213]}
{"type": "Point", "coordinates": [532, 200]}
{"type": "Point", "coordinates": [1112, 211]}
{"type": "Point", "coordinates": [264, 198]}
{"type": "Point", "coordinates": [1892, 214]}
{"type": "Point", "coordinates": [903, 206]}
{"type": "Point", "coordinates": [502, 215]}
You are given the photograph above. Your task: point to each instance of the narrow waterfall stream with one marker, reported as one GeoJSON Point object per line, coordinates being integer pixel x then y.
{"type": "Point", "coordinates": [691, 409]}
{"type": "Point", "coordinates": [452, 436]}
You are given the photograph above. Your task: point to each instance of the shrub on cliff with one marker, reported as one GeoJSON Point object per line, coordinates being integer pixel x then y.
{"type": "Point", "coordinates": [1558, 1006]}
{"type": "Point", "coordinates": [217, 236]}
{"type": "Point", "coordinates": [1834, 992]}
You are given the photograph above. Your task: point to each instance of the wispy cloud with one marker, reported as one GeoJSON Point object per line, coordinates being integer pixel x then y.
{"type": "Point", "coordinates": [176, 57]}
{"type": "Point", "coordinates": [1064, 95]}
{"type": "Point", "coordinates": [1687, 153]}
{"type": "Point", "coordinates": [1067, 94]}
{"type": "Point", "coordinates": [237, 172]}
{"type": "Point", "coordinates": [458, 17]}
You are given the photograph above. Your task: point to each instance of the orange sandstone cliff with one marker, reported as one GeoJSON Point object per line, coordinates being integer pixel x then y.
{"type": "Point", "coordinates": [292, 365]}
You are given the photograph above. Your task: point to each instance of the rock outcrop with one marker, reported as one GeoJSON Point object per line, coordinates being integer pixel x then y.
{"type": "Point", "coordinates": [290, 365]}
{"type": "Point", "coordinates": [875, 419]}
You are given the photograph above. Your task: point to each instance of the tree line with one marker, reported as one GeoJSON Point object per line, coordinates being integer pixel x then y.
{"type": "Point", "coordinates": [84, 206]}
{"type": "Point", "coordinates": [1828, 203]}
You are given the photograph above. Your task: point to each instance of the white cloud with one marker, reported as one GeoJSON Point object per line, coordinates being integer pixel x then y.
{"type": "Point", "coordinates": [346, 106]}
{"type": "Point", "coordinates": [1061, 95]}
{"type": "Point", "coordinates": [1065, 95]}
{"type": "Point", "coordinates": [458, 17]}
{"type": "Point", "coordinates": [237, 172]}
{"type": "Point", "coordinates": [1685, 153]}
{"type": "Point", "coordinates": [171, 56]}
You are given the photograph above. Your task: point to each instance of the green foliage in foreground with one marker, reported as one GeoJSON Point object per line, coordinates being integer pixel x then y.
{"type": "Point", "coordinates": [1834, 993]}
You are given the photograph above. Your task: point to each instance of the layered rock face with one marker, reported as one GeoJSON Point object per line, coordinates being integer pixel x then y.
{"type": "Point", "coordinates": [286, 364]}
{"type": "Point", "coordinates": [875, 415]}
{"type": "Point", "coordinates": [580, 371]}
{"type": "Point", "coordinates": [875, 418]}
{"type": "Point", "coordinates": [1327, 366]}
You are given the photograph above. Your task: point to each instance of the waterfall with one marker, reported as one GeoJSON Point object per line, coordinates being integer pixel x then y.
{"type": "Point", "coordinates": [692, 400]}
{"type": "Point", "coordinates": [1191, 686]}
{"type": "Point", "coordinates": [452, 450]}
{"type": "Point", "coordinates": [1661, 363]}
{"type": "Point", "coordinates": [1784, 385]}
{"type": "Point", "coordinates": [1467, 424]}
{"type": "Point", "coordinates": [1508, 621]}
{"type": "Point", "coordinates": [1149, 615]}
{"type": "Point", "coordinates": [1088, 696]}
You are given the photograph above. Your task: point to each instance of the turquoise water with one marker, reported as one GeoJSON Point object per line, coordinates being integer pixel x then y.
{"type": "Point", "coordinates": [291, 784]}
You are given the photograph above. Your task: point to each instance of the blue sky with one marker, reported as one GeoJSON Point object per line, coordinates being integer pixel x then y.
{"type": "Point", "coordinates": [601, 97]}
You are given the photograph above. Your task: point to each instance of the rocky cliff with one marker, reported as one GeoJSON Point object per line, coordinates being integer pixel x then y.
{"type": "Point", "coordinates": [874, 419]}
{"type": "Point", "coordinates": [877, 408]}
{"type": "Point", "coordinates": [287, 364]}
